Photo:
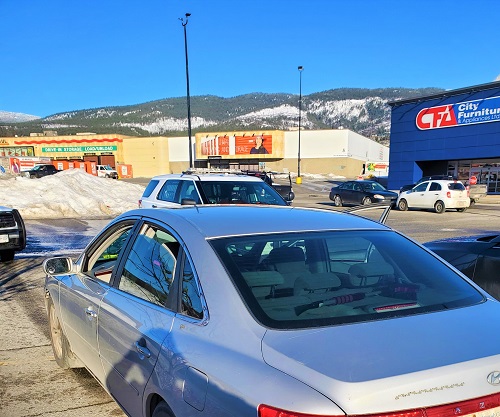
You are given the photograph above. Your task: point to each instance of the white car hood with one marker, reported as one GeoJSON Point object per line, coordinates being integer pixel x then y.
{"type": "Point", "coordinates": [394, 364]}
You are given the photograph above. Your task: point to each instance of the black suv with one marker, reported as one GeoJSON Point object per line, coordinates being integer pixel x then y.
{"type": "Point", "coordinates": [280, 181]}
{"type": "Point", "coordinates": [41, 170]}
{"type": "Point", "coordinates": [12, 233]}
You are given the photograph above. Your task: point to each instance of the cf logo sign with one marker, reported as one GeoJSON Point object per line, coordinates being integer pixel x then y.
{"type": "Point", "coordinates": [494, 378]}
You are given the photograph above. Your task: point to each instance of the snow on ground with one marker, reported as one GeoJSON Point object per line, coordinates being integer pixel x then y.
{"type": "Point", "coordinates": [68, 194]}
{"type": "Point", "coordinates": [75, 194]}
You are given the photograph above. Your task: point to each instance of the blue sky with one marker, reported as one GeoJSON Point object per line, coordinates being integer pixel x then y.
{"type": "Point", "coordinates": [63, 55]}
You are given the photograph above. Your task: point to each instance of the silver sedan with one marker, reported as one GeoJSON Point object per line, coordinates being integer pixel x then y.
{"type": "Point", "coordinates": [259, 311]}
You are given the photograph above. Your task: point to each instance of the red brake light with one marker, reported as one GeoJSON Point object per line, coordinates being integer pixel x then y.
{"type": "Point", "coordinates": [448, 194]}
{"type": "Point", "coordinates": [266, 411]}
{"type": "Point", "coordinates": [468, 407]}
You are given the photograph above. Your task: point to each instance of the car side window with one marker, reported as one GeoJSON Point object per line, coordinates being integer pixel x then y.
{"type": "Point", "coordinates": [102, 261]}
{"type": "Point", "coordinates": [191, 304]}
{"type": "Point", "coordinates": [357, 187]}
{"type": "Point", "coordinates": [435, 186]}
{"type": "Point", "coordinates": [168, 191]}
{"type": "Point", "coordinates": [188, 190]}
{"type": "Point", "coordinates": [149, 189]}
{"type": "Point", "coordinates": [150, 268]}
{"type": "Point", "coordinates": [421, 187]}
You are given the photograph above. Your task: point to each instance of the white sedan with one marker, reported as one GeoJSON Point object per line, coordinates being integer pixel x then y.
{"type": "Point", "coordinates": [438, 195]}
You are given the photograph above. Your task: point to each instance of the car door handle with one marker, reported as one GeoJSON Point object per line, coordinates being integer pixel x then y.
{"type": "Point", "coordinates": [91, 314]}
{"type": "Point", "coordinates": [153, 206]}
{"type": "Point", "coordinates": [143, 350]}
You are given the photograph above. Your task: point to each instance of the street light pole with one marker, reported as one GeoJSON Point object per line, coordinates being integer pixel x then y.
{"type": "Point", "coordinates": [300, 68]}
{"type": "Point", "coordinates": [184, 24]}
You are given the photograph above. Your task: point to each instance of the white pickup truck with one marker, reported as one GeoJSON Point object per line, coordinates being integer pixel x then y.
{"type": "Point", "coordinates": [106, 171]}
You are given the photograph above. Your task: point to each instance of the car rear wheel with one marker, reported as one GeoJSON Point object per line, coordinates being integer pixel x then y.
{"type": "Point", "coordinates": [366, 201]}
{"type": "Point", "coordinates": [337, 201]}
{"type": "Point", "coordinates": [63, 355]}
{"type": "Point", "coordinates": [402, 205]}
{"type": "Point", "coordinates": [439, 207]}
{"type": "Point", "coordinates": [162, 410]}
{"type": "Point", "coordinates": [461, 210]}
{"type": "Point", "coordinates": [7, 255]}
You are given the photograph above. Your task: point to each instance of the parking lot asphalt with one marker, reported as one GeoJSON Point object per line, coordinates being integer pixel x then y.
{"type": "Point", "coordinates": [320, 189]}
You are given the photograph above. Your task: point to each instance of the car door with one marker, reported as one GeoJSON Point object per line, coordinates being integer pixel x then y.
{"type": "Point", "coordinates": [433, 194]}
{"type": "Point", "coordinates": [358, 194]}
{"type": "Point", "coordinates": [416, 197]}
{"type": "Point", "coordinates": [82, 293]}
{"type": "Point", "coordinates": [346, 192]}
{"type": "Point", "coordinates": [136, 315]}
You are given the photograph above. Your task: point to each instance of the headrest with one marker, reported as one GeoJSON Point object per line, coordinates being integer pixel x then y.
{"type": "Point", "coordinates": [285, 254]}
{"type": "Point", "coordinates": [262, 278]}
{"type": "Point", "coordinates": [371, 269]}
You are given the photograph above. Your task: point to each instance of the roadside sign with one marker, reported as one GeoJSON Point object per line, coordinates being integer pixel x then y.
{"type": "Point", "coordinates": [473, 180]}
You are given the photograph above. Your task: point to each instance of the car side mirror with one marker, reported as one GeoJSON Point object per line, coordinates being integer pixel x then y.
{"type": "Point", "coordinates": [56, 266]}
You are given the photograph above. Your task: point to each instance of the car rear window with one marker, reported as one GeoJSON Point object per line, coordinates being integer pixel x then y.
{"type": "Point", "coordinates": [149, 189]}
{"type": "Point", "coordinates": [241, 192]}
{"type": "Point", "coordinates": [326, 278]}
{"type": "Point", "coordinates": [456, 186]}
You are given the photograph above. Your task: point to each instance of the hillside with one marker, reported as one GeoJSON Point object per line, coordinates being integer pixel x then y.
{"type": "Point", "coordinates": [364, 111]}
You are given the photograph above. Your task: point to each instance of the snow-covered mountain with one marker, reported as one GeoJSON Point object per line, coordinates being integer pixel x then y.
{"type": "Point", "coordinates": [364, 111]}
{"type": "Point", "coordinates": [10, 117]}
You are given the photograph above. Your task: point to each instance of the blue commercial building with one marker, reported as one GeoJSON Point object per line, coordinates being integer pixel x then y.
{"type": "Point", "coordinates": [455, 132]}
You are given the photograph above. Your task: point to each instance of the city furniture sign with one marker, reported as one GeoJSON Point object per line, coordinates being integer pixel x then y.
{"type": "Point", "coordinates": [459, 114]}
{"type": "Point", "coordinates": [79, 148]}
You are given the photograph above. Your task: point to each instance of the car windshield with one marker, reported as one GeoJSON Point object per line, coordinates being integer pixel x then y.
{"type": "Point", "coordinates": [37, 167]}
{"type": "Point", "coordinates": [241, 192]}
{"type": "Point", "coordinates": [300, 280]}
{"type": "Point", "coordinates": [373, 186]}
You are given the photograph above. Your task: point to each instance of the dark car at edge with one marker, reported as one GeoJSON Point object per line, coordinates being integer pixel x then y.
{"type": "Point", "coordinates": [478, 257]}
{"type": "Point", "coordinates": [361, 192]}
{"type": "Point", "coordinates": [12, 233]}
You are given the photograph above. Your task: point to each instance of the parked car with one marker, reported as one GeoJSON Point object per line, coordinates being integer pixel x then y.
{"type": "Point", "coordinates": [478, 257]}
{"type": "Point", "coordinates": [262, 311]}
{"type": "Point", "coordinates": [476, 191]}
{"type": "Point", "coordinates": [41, 170]}
{"type": "Point", "coordinates": [280, 181]}
{"type": "Point", "coordinates": [12, 233]}
{"type": "Point", "coordinates": [106, 171]}
{"type": "Point", "coordinates": [361, 192]}
{"type": "Point", "coordinates": [172, 190]}
{"type": "Point", "coordinates": [439, 195]}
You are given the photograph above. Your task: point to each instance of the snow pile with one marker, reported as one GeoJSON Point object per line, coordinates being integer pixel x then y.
{"type": "Point", "coordinates": [69, 194]}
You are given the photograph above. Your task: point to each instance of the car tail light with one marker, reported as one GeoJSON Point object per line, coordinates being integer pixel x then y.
{"type": "Point", "coordinates": [448, 194]}
{"type": "Point", "coordinates": [463, 408]}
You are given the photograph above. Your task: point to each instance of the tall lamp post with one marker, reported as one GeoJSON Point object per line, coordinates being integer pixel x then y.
{"type": "Point", "coordinates": [184, 24]}
{"type": "Point", "coordinates": [300, 68]}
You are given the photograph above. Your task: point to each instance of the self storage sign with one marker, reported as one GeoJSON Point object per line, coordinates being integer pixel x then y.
{"type": "Point", "coordinates": [459, 114]}
{"type": "Point", "coordinates": [79, 148]}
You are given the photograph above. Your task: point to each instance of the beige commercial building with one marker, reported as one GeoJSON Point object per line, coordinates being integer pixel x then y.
{"type": "Point", "coordinates": [339, 152]}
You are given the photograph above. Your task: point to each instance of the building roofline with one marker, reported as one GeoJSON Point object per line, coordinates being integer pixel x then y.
{"type": "Point", "coordinates": [448, 93]}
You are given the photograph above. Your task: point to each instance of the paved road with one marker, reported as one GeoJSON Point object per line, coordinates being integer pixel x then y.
{"type": "Point", "coordinates": [31, 382]}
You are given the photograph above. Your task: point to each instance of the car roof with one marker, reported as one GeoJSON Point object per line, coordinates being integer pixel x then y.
{"type": "Point", "coordinates": [210, 177]}
{"type": "Point", "coordinates": [442, 181]}
{"type": "Point", "coordinates": [221, 220]}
